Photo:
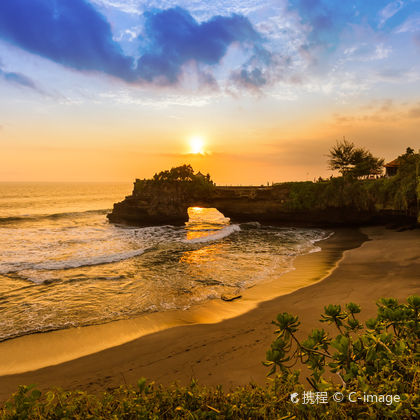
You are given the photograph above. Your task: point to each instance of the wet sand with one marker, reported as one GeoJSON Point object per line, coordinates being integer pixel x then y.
{"type": "Point", "coordinates": [223, 349]}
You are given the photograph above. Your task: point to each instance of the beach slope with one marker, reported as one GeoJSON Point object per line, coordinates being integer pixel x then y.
{"type": "Point", "coordinates": [230, 352]}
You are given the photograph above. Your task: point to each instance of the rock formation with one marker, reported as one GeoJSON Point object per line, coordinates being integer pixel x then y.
{"type": "Point", "coordinates": [159, 203]}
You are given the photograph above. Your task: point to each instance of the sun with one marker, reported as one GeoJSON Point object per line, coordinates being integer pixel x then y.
{"type": "Point", "coordinates": [197, 145]}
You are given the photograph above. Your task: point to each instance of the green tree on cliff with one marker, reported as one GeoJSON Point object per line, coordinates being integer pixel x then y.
{"type": "Point", "coordinates": [178, 174]}
{"type": "Point", "coordinates": [184, 178]}
{"type": "Point", "coordinates": [406, 183]}
{"type": "Point", "coordinates": [353, 161]}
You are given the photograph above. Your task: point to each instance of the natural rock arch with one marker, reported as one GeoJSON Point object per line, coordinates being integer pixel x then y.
{"type": "Point", "coordinates": [159, 202]}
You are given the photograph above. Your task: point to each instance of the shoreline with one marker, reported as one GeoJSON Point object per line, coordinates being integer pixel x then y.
{"type": "Point", "coordinates": [63, 345]}
{"type": "Point", "coordinates": [229, 352]}
{"type": "Point", "coordinates": [67, 345]}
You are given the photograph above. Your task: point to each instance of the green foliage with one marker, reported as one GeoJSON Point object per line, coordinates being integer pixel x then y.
{"type": "Point", "coordinates": [148, 401]}
{"type": "Point", "coordinates": [182, 179]}
{"type": "Point", "coordinates": [352, 161]}
{"type": "Point", "coordinates": [184, 173]}
{"type": "Point", "coordinates": [304, 195]}
{"type": "Point", "coordinates": [398, 193]}
{"type": "Point", "coordinates": [178, 174]}
{"type": "Point", "coordinates": [381, 358]}
{"type": "Point", "coordinates": [401, 191]}
{"type": "Point", "coordinates": [334, 193]}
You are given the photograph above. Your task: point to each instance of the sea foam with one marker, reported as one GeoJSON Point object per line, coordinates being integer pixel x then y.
{"type": "Point", "coordinates": [74, 263]}
{"type": "Point", "coordinates": [220, 234]}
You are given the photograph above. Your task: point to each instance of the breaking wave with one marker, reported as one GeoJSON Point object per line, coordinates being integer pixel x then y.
{"type": "Point", "coordinates": [75, 263]}
{"type": "Point", "coordinates": [222, 233]}
{"type": "Point", "coordinates": [54, 216]}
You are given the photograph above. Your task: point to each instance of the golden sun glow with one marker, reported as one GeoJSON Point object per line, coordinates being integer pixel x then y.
{"type": "Point", "coordinates": [197, 145]}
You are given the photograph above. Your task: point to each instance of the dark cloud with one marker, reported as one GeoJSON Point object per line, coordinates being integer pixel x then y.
{"type": "Point", "coordinates": [73, 33]}
{"type": "Point", "coordinates": [263, 68]}
{"type": "Point", "coordinates": [255, 73]}
{"type": "Point", "coordinates": [18, 79]}
{"type": "Point", "coordinates": [174, 38]}
{"type": "Point", "coordinates": [250, 78]}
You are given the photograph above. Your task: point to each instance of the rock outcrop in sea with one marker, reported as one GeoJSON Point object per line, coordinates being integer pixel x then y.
{"type": "Point", "coordinates": [165, 199]}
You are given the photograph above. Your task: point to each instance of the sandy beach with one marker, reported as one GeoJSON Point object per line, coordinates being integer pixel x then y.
{"type": "Point", "coordinates": [358, 266]}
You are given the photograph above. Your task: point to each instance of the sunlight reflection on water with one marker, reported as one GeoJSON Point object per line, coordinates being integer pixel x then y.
{"type": "Point", "coordinates": [74, 268]}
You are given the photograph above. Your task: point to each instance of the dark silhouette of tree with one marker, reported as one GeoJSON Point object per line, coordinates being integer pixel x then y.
{"type": "Point", "coordinates": [408, 162]}
{"type": "Point", "coordinates": [341, 156]}
{"type": "Point", "coordinates": [353, 161]}
{"type": "Point", "coordinates": [181, 175]}
{"type": "Point", "coordinates": [178, 174]}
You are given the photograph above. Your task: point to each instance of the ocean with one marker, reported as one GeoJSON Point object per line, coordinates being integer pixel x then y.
{"type": "Point", "coordinates": [62, 264]}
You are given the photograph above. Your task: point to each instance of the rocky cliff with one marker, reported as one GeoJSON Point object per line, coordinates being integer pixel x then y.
{"type": "Point", "coordinates": [168, 203]}
{"type": "Point", "coordinates": [156, 203]}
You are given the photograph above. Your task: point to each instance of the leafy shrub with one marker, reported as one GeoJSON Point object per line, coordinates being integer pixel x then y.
{"type": "Point", "coordinates": [381, 358]}
{"type": "Point", "coordinates": [397, 193]}
{"type": "Point", "coordinates": [400, 192]}
{"type": "Point", "coordinates": [147, 401]}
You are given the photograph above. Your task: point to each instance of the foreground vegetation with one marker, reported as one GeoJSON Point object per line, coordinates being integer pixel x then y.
{"type": "Point", "coordinates": [380, 358]}
{"type": "Point", "coordinates": [400, 193]}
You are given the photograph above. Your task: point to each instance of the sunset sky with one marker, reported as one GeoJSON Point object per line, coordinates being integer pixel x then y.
{"type": "Point", "coordinates": [111, 90]}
